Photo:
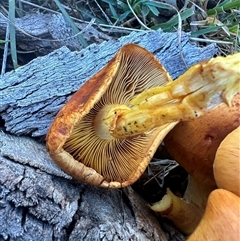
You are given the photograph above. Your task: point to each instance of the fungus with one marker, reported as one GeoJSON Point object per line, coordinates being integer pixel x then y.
{"type": "Point", "coordinates": [185, 212]}
{"type": "Point", "coordinates": [220, 221]}
{"type": "Point", "coordinates": [194, 144]}
{"type": "Point", "coordinates": [79, 142]}
{"type": "Point", "coordinates": [108, 131]}
{"type": "Point", "coordinates": [200, 89]}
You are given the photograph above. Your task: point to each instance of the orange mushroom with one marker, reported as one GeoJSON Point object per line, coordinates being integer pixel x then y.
{"type": "Point", "coordinates": [185, 212]}
{"type": "Point", "coordinates": [107, 133]}
{"type": "Point", "coordinates": [226, 166]}
{"type": "Point", "coordinates": [193, 144]}
{"type": "Point", "coordinates": [82, 146]}
{"type": "Point", "coordinates": [221, 219]}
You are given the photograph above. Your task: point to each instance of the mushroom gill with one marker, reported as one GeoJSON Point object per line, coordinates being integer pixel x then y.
{"type": "Point", "coordinates": [85, 138]}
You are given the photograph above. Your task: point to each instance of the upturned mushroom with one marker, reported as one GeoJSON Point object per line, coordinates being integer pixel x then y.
{"type": "Point", "coordinates": [83, 147]}
{"type": "Point", "coordinates": [107, 133]}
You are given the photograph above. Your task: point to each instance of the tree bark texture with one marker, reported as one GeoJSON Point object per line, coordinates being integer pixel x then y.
{"type": "Point", "coordinates": [38, 201]}
{"type": "Point", "coordinates": [43, 33]}
{"type": "Point", "coordinates": [33, 94]}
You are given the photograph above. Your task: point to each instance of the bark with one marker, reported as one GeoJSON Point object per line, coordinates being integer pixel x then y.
{"type": "Point", "coordinates": [33, 94]}
{"type": "Point", "coordinates": [43, 33]}
{"type": "Point", "coordinates": [38, 200]}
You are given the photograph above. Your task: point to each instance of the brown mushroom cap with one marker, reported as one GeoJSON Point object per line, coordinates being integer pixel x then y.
{"type": "Point", "coordinates": [220, 221]}
{"type": "Point", "coordinates": [193, 144]}
{"type": "Point", "coordinates": [77, 141]}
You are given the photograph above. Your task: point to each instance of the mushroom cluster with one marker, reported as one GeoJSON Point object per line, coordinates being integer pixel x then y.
{"type": "Point", "coordinates": [208, 148]}
{"type": "Point", "coordinates": [108, 131]}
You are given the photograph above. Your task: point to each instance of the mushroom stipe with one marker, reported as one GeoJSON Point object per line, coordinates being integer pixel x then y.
{"type": "Point", "coordinates": [108, 131]}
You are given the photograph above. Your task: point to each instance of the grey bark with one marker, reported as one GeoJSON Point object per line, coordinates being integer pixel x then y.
{"type": "Point", "coordinates": [33, 94]}
{"type": "Point", "coordinates": [40, 202]}
{"type": "Point", "coordinates": [43, 33]}
{"type": "Point", "coordinates": [37, 200]}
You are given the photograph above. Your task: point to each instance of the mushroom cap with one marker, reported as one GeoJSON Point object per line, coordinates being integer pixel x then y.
{"type": "Point", "coordinates": [220, 221]}
{"type": "Point", "coordinates": [226, 166]}
{"type": "Point", "coordinates": [74, 140]}
{"type": "Point", "coordinates": [193, 144]}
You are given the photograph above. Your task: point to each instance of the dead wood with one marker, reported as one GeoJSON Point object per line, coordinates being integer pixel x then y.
{"type": "Point", "coordinates": [40, 202]}
{"type": "Point", "coordinates": [43, 33]}
{"type": "Point", "coordinates": [33, 94]}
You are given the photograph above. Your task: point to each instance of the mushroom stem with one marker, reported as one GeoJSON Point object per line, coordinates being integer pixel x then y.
{"type": "Point", "coordinates": [201, 88]}
{"type": "Point", "coordinates": [185, 212]}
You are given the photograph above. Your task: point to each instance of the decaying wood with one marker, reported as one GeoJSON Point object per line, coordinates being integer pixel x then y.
{"type": "Point", "coordinates": [38, 200]}
{"type": "Point", "coordinates": [33, 94]}
{"type": "Point", "coordinates": [43, 33]}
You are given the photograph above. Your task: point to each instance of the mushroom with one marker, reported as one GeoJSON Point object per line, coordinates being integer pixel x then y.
{"type": "Point", "coordinates": [82, 146]}
{"type": "Point", "coordinates": [226, 166]}
{"type": "Point", "coordinates": [107, 133]}
{"type": "Point", "coordinates": [220, 221]}
{"type": "Point", "coordinates": [185, 212]}
{"type": "Point", "coordinates": [201, 88]}
{"type": "Point", "coordinates": [193, 144]}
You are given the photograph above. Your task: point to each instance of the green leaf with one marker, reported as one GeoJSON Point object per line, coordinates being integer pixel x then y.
{"type": "Point", "coordinates": [224, 7]}
{"type": "Point", "coordinates": [145, 10]}
{"type": "Point", "coordinates": [205, 31]}
{"type": "Point", "coordinates": [110, 2]}
{"type": "Point", "coordinates": [154, 10]}
{"type": "Point", "coordinates": [3, 41]}
{"type": "Point", "coordinates": [124, 15]}
{"type": "Point", "coordinates": [159, 5]}
{"type": "Point", "coordinates": [113, 12]}
{"type": "Point", "coordinates": [170, 24]}
{"type": "Point", "coordinates": [75, 29]}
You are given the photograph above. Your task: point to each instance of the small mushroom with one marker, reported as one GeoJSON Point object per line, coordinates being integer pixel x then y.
{"type": "Point", "coordinates": [80, 143]}
{"type": "Point", "coordinates": [220, 221]}
{"type": "Point", "coordinates": [226, 166]}
{"type": "Point", "coordinates": [185, 212]}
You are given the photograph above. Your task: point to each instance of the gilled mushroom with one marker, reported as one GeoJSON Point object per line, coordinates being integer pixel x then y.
{"type": "Point", "coordinates": [201, 88]}
{"type": "Point", "coordinates": [220, 221]}
{"type": "Point", "coordinates": [79, 142]}
{"type": "Point", "coordinates": [108, 131]}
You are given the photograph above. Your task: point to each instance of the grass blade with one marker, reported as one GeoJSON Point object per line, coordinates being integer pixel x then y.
{"type": "Point", "coordinates": [12, 33]}
{"type": "Point", "coordinates": [81, 40]}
